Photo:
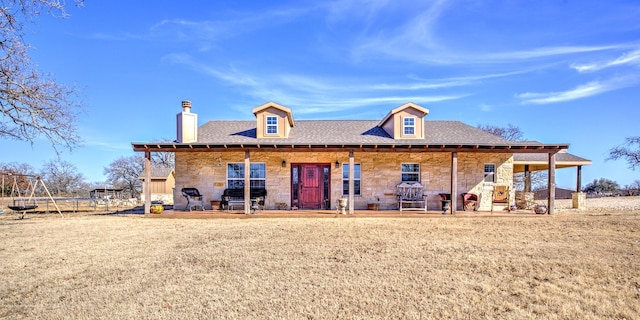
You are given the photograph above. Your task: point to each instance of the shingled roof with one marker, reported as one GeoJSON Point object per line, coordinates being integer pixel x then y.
{"type": "Point", "coordinates": [336, 135]}
{"type": "Point", "coordinates": [540, 161]}
{"type": "Point", "coordinates": [157, 173]}
{"type": "Point", "coordinates": [349, 132]}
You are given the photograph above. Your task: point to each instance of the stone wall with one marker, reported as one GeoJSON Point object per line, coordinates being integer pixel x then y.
{"type": "Point", "coordinates": [380, 174]}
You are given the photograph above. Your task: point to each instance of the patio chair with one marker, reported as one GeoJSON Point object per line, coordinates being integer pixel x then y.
{"type": "Point", "coordinates": [194, 198]}
{"type": "Point", "coordinates": [470, 201]}
{"type": "Point", "coordinates": [500, 196]}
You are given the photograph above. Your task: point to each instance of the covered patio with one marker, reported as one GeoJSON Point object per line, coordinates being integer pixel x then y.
{"type": "Point", "coordinates": [240, 214]}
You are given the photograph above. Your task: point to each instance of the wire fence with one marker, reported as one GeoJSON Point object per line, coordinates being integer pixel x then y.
{"type": "Point", "coordinates": [46, 205]}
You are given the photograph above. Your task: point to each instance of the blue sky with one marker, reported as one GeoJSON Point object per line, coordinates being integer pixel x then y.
{"type": "Point", "coordinates": [562, 71]}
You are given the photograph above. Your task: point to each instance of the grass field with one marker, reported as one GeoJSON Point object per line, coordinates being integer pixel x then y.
{"type": "Point", "coordinates": [572, 265]}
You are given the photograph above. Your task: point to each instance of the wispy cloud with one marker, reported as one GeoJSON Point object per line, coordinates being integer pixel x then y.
{"type": "Point", "coordinates": [415, 35]}
{"type": "Point", "coordinates": [485, 107]}
{"type": "Point", "coordinates": [632, 58]}
{"type": "Point", "coordinates": [313, 95]}
{"type": "Point", "coordinates": [205, 31]}
{"type": "Point", "coordinates": [582, 91]}
{"type": "Point", "coordinates": [541, 53]}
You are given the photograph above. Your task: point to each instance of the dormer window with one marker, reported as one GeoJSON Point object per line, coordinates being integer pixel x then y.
{"type": "Point", "coordinates": [273, 121]}
{"type": "Point", "coordinates": [409, 126]}
{"type": "Point", "coordinates": [272, 124]}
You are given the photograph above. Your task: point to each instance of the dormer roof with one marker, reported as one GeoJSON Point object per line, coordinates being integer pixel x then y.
{"type": "Point", "coordinates": [391, 113]}
{"type": "Point", "coordinates": [280, 107]}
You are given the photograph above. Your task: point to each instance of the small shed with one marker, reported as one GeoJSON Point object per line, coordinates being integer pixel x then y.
{"type": "Point", "coordinates": [161, 185]}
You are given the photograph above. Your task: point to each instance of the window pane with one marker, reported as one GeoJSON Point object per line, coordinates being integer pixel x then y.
{"type": "Point", "coordinates": [272, 124]}
{"type": "Point", "coordinates": [257, 170]}
{"type": "Point", "coordinates": [409, 126]}
{"type": "Point", "coordinates": [235, 170]}
{"type": "Point", "coordinates": [235, 175]}
{"type": "Point", "coordinates": [345, 178]}
{"type": "Point", "coordinates": [489, 172]}
{"type": "Point", "coordinates": [410, 167]}
{"type": "Point", "coordinates": [235, 184]}
{"type": "Point", "coordinates": [356, 171]}
{"type": "Point", "coordinates": [410, 177]}
{"type": "Point", "coordinates": [257, 184]}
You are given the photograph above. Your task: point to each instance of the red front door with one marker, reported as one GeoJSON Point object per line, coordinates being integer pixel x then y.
{"type": "Point", "coordinates": [310, 187]}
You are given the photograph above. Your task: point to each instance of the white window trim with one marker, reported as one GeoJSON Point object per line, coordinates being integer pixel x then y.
{"type": "Point", "coordinates": [405, 126]}
{"type": "Point", "coordinates": [267, 125]}
{"type": "Point", "coordinates": [413, 172]}
{"type": "Point", "coordinates": [354, 179]}
{"type": "Point", "coordinates": [242, 179]}
{"type": "Point", "coordinates": [485, 173]}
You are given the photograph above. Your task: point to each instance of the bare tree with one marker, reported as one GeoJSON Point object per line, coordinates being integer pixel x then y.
{"type": "Point", "coordinates": [163, 159]}
{"type": "Point", "coordinates": [32, 104]}
{"type": "Point", "coordinates": [62, 178]}
{"type": "Point", "coordinates": [632, 189]}
{"type": "Point", "coordinates": [124, 173]}
{"type": "Point", "coordinates": [627, 152]}
{"type": "Point", "coordinates": [18, 172]}
{"type": "Point", "coordinates": [511, 132]}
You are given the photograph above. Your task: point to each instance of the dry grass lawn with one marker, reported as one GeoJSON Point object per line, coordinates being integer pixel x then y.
{"type": "Point", "coordinates": [572, 265]}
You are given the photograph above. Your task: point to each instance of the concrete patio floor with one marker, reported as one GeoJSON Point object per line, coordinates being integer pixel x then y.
{"type": "Point", "coordinates": [239, 214]}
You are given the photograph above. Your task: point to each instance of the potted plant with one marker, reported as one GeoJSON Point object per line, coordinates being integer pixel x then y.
{"type": "Point", "coordinates": [375, 204]}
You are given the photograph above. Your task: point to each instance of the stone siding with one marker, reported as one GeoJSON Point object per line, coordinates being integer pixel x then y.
{"type": "Point", "coordinates": [380, 173]}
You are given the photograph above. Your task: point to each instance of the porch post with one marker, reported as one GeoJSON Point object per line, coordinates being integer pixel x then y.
{"type": "Point", "coordinates": [351, 182]}
{"type": "Point", "coordinates": [527, 178]}
{"type": "Point", "coordinates": [454, 182]}
{"type": "Point", "coordinates": [147, 182]}
{"type": "Point", "coordinates": [579, 179]}
{"type": "Point", "coordinates": [551, 196]}
{"type": "Point", "coordinates": [247, 183]}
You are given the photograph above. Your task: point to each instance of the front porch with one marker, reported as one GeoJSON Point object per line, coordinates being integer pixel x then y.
{"type": "Point", "coordinates": [239, 214]}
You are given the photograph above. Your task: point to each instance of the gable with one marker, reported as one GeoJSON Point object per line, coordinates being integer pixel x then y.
{"type": "Point", "coordinates": [405, 122]}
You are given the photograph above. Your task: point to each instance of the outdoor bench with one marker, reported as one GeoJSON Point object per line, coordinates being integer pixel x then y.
{"type": "Point", "coordinates": [235, 197]}
{"type": "Point", "coordinates": [411, 193]}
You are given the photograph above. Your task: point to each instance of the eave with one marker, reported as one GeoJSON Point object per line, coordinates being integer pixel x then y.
{"type": "Point", "coordinates": [361, 147]}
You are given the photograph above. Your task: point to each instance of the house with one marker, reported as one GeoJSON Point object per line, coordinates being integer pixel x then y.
{"type": "Point", "coordinates": [161, 185]}
{"type": "Point", "coordinates": [310, 164]}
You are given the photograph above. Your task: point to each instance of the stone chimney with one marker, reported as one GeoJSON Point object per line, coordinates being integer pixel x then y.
{"type": "Point", "coordinates": [187, 124]}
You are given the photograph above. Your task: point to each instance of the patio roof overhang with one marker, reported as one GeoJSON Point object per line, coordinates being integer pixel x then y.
{"type": "Point", "coordinates": [300, 147]}
{"type": "Point", "coordinates": [541, 163]}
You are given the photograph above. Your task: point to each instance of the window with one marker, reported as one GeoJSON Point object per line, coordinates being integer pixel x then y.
{"type": "Point", "coordinates": [235, 175]}
{"type": "Point", "coordinates": [272, 125]}
{"type": "Point", "coordinates": [409, 126]}
{"type": "Point", "coordinates": [410, 172]}
{"type": "Point", "coordinates": [345, 179]}
{"type": "Point", "coordinates": [489, 172]}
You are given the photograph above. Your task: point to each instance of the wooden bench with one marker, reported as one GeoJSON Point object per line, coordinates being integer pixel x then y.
{"type": "Point", "coordinates": [235, 197]}
{"type": "Point", "coordinates": [411, 193]}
